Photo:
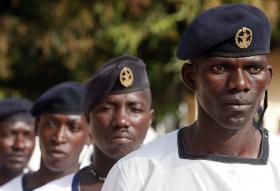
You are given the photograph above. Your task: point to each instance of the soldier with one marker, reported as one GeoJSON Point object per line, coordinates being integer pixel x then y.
{"type": "Point", "coordinates": [118, 109]}
{"type": "Point", "coordinates": [62, 132]}
{"type": "Point", "coordinates": [17, 137]}
{"type": "Point", "coordinates": [227, 48]}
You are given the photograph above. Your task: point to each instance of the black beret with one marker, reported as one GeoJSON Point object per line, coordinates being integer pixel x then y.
{"type": "Point", "coordinates": [64, 98]}
{"type": "Point", "coordinates": [15, 109]}
{"type": "Point", "coordinates": [119, 75]}
{"type": "Point", "coordinates": [231, 30]}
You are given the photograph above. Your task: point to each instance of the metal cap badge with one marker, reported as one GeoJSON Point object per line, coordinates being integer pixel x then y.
{"type": "Point", "coordinates": [243, 37]}
{"type": "Point", "coordinates": [126, 77]}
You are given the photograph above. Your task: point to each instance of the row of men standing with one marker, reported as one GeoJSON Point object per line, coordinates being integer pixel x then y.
{"type": "Point", "coordinates": [223, 149]}
{"type": "Point", "coordinates": [113, 109]}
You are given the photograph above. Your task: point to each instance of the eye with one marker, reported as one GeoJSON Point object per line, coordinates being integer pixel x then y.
{"type": "Point", "coordinates": [103, 108]}
{"type": "Point", "coordinates": [136, 109]}
{"type": "Point", "coordinates": [29, 134]}
{"type": "Point", "coordinates": [49, 124]}
{"type": "Point", "coordinates": [218, 68]}
{"type": "Point", "coordinates": [255, 69]}
{"type": "Point", "coordinates": [74, 127]}
{"type": "Point", "coordinates": [5, 134]}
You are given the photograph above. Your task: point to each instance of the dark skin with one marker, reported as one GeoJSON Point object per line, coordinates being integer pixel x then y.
{"type": "Point", "coordinates": [62, 138]}
{"type": "Point", "coordinates": [119, 124]}
{"type": "Point", "coordinates": [17, 141]}
{"type": "Point", "coordinates": [229, 92]}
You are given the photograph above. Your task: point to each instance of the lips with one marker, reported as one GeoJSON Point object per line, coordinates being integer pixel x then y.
{"type": "Point", "coordinates": [237, 104]}
{"type": "Point", "coordinates": [17, 158]}
{"type": "Point", "coordinates": [120, 137]}
{"type": "Point", "coordinates": [57, 153]}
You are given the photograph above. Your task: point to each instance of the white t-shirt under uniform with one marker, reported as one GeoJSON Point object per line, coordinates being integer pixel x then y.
{"type": "Point", "coordinates": [164, 165]}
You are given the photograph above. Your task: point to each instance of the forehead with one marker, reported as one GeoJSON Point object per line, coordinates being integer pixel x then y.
{"type": "Point", "coordinates": [60, 117]}
{"type": "Point", "coordinates": [262, 59]}
{"type": "Point", "coordinates": [139, 96]}
{"type": "Point", "coordinates": [16, 125]}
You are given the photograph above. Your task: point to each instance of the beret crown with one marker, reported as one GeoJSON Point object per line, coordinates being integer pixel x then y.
{"type": "Point", "coordinates": [213, 33]}
{"type": "Point", "coordinates": [15, 107]}
{"type": "Point", "coordinates": [64, 98]}
{"type": "Point", "coordinates": [122, 74]}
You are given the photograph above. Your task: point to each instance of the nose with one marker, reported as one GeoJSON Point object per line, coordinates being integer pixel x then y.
{"type": "Point", "coordinates": [19, 143]}
{"type": "Point", "coordinates": [120, 118]}
{"type": "Point", "coordinates": [239, 81]}
{"type": "Point", "coordinates": [59, 135]}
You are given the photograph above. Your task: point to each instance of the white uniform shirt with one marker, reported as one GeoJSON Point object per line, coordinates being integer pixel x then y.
{"type": "Point", "coordinates": [13, 185]}
{"type": "Point", "coordinates": [69, 183]}
{"type": "Point", "coordinates": [164, 165]}
{"type": "Point", "coordinates": [63, 183]}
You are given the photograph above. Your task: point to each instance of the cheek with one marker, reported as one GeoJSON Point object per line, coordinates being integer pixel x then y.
{"type": "Point", "coordinates": [208, 90]}
{"type": "Point", "coordinates": [77, 143]}
{"type": "Point", "coordinates": [44, 138]}
{"type": "Point", "coordinates": [99, 123]}
{"type": "Point", "coordinates": [259, 84]}
{"type": "Point", "coordinates": [140, 125]}
{"type": "Point", "coordinates": [30, 145]}
{"type": "Point", "coordinates": [80, 138]}
{"type": "Point", "coordinates": [5, 144]}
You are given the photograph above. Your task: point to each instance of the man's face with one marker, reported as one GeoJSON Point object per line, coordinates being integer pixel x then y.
{"type": "Point", "coordinates": [17, 141]}
{"type": "Point", "coordinates": [120, 122]}
{"type": "Point", "coordinates": [229, 90]}
{"type": "Point", "coordinates": [62, 138]}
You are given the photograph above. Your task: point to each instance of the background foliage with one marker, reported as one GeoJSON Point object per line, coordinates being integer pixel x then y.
{"type": "Point", "coordinates": [46, 42]}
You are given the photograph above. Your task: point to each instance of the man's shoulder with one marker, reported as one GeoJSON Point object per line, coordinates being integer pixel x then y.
{"type": "Point", "coordinates": [274, 145]}
{"type": "Point", "coordinates": [274, 139]}
{"type": "Point", "coordinates": [155, 150]}
{"type": "Point", "coordinates": [63, 183]}
{"type": "Point", "coordinates": [14, 184]}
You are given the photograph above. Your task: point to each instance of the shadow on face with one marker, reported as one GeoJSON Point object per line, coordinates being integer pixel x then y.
{"type": "Point", "coordinates": [228, 90]}
{"type": "Point", "coordinates": [17, 141]}
{"type": "Point", "coordinates": [62, 138]}
{"type": "Point", "coordinates": [119, 122]}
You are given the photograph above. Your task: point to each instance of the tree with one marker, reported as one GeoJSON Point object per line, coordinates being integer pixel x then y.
{"type": "Point", "coordinates": [49, 41]}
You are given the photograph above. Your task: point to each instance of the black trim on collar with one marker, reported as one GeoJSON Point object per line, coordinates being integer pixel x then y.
{"type": "Point", "coordinates": [75, 185]}
{"type": "Point", "coordinates": [262, 160]}
{"type": "Point", "coordinates": [24, 182]}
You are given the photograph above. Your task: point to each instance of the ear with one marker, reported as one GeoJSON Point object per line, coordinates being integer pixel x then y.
{"type": "Point", "coordinates": [188, 76]}
{"type": "Point", "coordinates": [87, 118]}
{"type": "Point", "coordinates": [89, 137]}
{"type": "Point", "coordinates": [269, 68]}
{"type": "Point", "coordinates": [152, 116]}
{"type": "Point", "coordinates": [37, 119]}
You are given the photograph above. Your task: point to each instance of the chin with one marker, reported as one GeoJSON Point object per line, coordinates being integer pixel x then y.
{"type": "Point", "coordinates": [15, 169]}
{"type": "Point", "coordinates": [56, 166]}
{"type": "Point", "coordinates": [120, 152]}
{"type": "Point", "coordinates": [16, 166]}
{"type": "Point", "coordinates": [235, 123]}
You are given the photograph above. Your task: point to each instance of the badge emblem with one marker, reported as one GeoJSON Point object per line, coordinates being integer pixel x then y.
{"type": "Point", "coordinates": [126, 77]}
{"type": "Point", "coordinates": [243, 37]}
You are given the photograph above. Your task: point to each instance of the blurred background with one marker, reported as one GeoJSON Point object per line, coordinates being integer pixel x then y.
{"type": "Point", "coordinates": [46, 42]}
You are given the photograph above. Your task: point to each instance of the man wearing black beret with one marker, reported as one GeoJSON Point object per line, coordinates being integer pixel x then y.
{"type": "Point", "coordinates": [226, 48]}
{"type": "Point", "coordinates": [17, 137]}
{"type": "Point", "coordinates": [62, 132]}
{"type": "Point", "coordinates": [117, 107]}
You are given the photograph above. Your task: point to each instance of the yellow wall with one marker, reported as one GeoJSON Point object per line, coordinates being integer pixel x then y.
{"type": "Point", "coordinates": [272, 116]}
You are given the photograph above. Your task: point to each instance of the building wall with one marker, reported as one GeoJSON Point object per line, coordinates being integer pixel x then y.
{"type": "Point", "coordinates": [272, 116]}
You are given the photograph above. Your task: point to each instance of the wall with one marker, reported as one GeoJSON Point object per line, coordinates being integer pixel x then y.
{"type": "Point", "coordinates": [272, 116]}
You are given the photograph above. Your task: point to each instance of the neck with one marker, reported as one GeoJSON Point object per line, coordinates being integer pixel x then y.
{"type": "Point", "coordinates": [102, 163]}
{"type": "Point", "coordinates": [44, 175]}
{"type": "Point", "coordinates": [205, 137]}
